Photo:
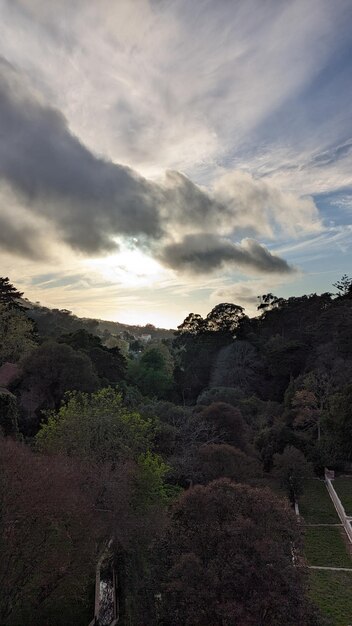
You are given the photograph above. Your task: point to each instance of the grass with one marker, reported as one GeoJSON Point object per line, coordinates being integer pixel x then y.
{"type": "Point", "coordinates": [343, 488]}
{"type": "Point", "coordinates": [332, 592]}
{"type": "Point", "coordinates": [324, 546]}
{"type": "Point", "coordinates": [315, 505]}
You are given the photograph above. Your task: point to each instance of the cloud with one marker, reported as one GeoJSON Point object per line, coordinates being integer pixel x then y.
{"type": "Point", "coordinates": [259, 205]}
{"type": "Point", "coordinates": [89, 199]}
{"type": "Point", "coordinates": [332, 155]}
{"type": "Point", "coordinates": [205, 253]}
{"type": "Point", "coordinates": [89, 202]}
{"type": "Point", "coordinates": [130, 76]}
{"type": "Point", "coordinates": [21, 239]}
{"type": "Point", "coordinates": [237, 203]}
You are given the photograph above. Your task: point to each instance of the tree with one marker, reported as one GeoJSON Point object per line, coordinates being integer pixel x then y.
{"type": "Point", "coordinates": [215, 461]}
{"type": "Point", "coordinates": [340, 422]}
{"type": "Point", "coordinates": [98, 429]}
{"type": "Point", "coordinates": [292, 469]}
{"type": "Point", "coordinates": [227, 557]}
{"type": "Point", "coordinates": [16, 334]}
{"type": "Point", "coordinates": [96, 426]}
{"type": "Point", "coordinates": [268, 302]}
{"type": "Point", "coordinates": [230, 395]}
{"type": "Point", "coordinates": [193, 324]}
{"type": "Point", "coordinates": [273, 440]}
{"type": "Point", "coordinates": [9, 295]}
{"type": "Point", "coordinates": [48, 534]}
{"type": "Point", "coordinates": [344, 286]}
{"type": "Point", "coordinates": [311, 401]}
{"type": "Point", "coordinates": [55, 368]}
{"type": "Point", "coordinates": [224, 318]}
{"type": "Point", "coordinates": [109, 363]}
{"type": "Point", "coordinates": [227, 421]}
{"type": "Point", "coordinates": [284, 359]}
{"type": "Point", "coordinates": [237, 365]}
{"type": "Point", "coordinates": [153, 372]}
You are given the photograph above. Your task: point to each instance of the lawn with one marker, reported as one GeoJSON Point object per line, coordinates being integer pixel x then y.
{"type": "Point", "coordinates": [343, 488]}
{"type": "Point", "coordinates": [332, 592]}
{"type": "Point", "coordinates": [315, 505]}
{"type": "Point", "coordinates": [324, 546]}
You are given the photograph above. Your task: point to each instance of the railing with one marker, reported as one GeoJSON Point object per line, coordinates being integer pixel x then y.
{"type": "Point", "coordinates": [338, 506]}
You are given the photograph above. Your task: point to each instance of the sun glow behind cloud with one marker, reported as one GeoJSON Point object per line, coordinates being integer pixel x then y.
{"type": "Point", "coordinates": [130, 268]}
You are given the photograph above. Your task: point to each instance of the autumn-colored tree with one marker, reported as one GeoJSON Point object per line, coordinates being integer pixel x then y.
{"type": "Point", "coordinates": [227, 558]}
{"type": "Point", "coordinates": [48, 534]}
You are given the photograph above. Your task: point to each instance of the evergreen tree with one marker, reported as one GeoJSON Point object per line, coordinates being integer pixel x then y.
{"type": "Point", "coordinates": [9, 295]}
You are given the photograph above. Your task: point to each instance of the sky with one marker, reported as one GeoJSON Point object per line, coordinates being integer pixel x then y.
{"type": "Point", "coordinates": [158, 157]}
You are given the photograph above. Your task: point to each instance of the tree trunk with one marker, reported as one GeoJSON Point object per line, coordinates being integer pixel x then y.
{"type": "Point", "coordinates": [121, 585]}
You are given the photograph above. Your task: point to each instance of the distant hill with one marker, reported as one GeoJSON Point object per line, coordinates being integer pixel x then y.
{"type": "Point", "coordinates": [54, 322]}
{"type": "Point", "coordinates": [116, 328]}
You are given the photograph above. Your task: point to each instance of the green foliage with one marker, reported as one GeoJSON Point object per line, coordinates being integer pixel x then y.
{"type": "Point", "coordinates": [16, 334]}
{"type": "Point", "coordinates": [152, 373]}
{"type": "Point", "coordinates": [151, 488]}
{"type": "Point", "coordinates": [96, 426]}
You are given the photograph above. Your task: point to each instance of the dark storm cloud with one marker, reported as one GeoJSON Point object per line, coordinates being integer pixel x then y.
{"type": "Point", "coordinates": [204, 253]}
{"type": "Point", "coordinates": [87, 198]}
{"type": "Point", "coordinates": [20, 239]}
{"type": "Point", "coordinates": [190, 204]}
{"type": "Point", "coordinates": [87, 201]}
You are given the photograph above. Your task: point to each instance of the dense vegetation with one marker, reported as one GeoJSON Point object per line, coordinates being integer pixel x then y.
{"type": "Point", "coordinates": [172, 454]}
